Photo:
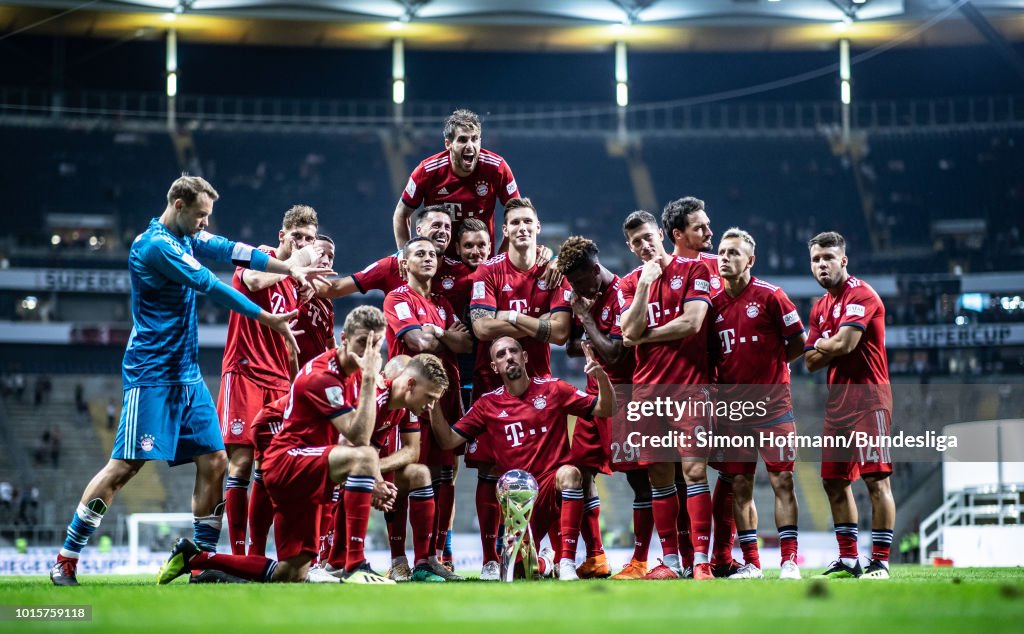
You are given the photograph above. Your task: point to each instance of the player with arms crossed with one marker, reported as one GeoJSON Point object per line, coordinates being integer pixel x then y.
{"type": "Point", "coordinates": [847, 335]}
{"type": "Point", "coordinates": [465, 178]}
{"type": "Point", "coordinates": [303, 463]}
{"type": "Point", "coordinates": [256, 370]}
{"type": "Point", "coordinates": [511, 298]}
{"type": "Point", "coordinates": [420, 321]}
{"type": "Point", "coordinates": [168, 413]}
{"type": "Point", "coordinates": [595, 305]}
{"type": "Point", "coordinates": [526, 422]}
{"type": "Point", "coordinates": [760, 333]}
{"type": "Point", "coordinates": [663, 305]}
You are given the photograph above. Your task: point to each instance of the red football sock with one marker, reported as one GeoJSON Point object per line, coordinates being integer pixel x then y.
{"type": "Point", "coordinates": [665, 507]}
{"type": "Point", "coordinates": [444, 507]}
{"type": "Point", "coordinates": [421, 516]}
{"type": "Point", "coordinates": [846, 536]}
{"type": "Point", "coordinates": [358, 493]}
{"type": "Point", "coordinates": [489, 515]}
{"type": "Point", "coordinates": [788, 542]}
{"type": "Point", "coordinates": [724, 522]}
{"type": "Point", "coordinates": [698, 504]}
{"type": "Point", "coordinates": [881, 543]}
{"type": "Point", "coordinates": [261, 517]}
{"type": "Point", "coordinates": [683, 527]}
{"type": "Point", "coordinates": [748, 544]}
{"type": "Point", "coordinates": [643, 529]}
{"type": "Point", "coordinates": [397, 526]}
{"type": "Point", "coordinates": [590, 529]}
{"type": "Point", "coordinates": [236, 507]}
{"type": "Point", "coordinates": [326, 526]}
{"type": "Point", "coordinates": [569, 521]}
{"type": "Point", "coordinates": [336, 557]}
{"type": "Point", "coordinates": [251, 567]}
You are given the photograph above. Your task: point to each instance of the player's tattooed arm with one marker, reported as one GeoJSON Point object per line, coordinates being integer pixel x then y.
{"type": "Point", "coordinates": [409, 453]}
{"type": "Point", "coordinates": [683, 326]}
{"type": "Point", "coordinates": [488, 326]}
{"type": "Point", "coordinates": [445, 436]}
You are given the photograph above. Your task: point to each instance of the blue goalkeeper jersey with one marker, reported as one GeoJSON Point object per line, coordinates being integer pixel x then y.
{"type": "Point", "coordinates": [163, 348]}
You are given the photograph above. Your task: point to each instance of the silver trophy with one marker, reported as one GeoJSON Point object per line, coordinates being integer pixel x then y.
{"type": "Point", "coordinates": [517, 492]}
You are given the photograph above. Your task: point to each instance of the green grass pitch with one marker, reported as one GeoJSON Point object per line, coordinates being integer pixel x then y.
{"type": "Point", "coordinates": [918, 599]}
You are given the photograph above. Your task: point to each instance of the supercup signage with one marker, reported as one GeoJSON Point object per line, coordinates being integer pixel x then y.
{"type": "Point", "coordinates": [952, 336]}
{"type": "Point", "coordinates": [84, 280]}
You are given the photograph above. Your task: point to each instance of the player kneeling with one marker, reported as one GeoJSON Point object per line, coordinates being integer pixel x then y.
{"type": "Point", "coordinates": [525, 420]}
{"type": "Point", "coordinates": [302, 465]}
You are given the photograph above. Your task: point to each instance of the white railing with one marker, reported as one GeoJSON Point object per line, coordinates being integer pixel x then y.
{"type": "Point", "coordinates": [995, 505]}
{"type": "Point", "coordinates": [30, 107]}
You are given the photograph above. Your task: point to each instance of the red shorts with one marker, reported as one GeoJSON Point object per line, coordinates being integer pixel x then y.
{"type": "Point", "coordinates": [548, 507]}
{"type": "Point", "coordinates": [743, 461]}
{"type": "Point", "coordinates": [864, 460]}
{"type": "Point", "coordinates": [591, 443]}
{"type": "Point", "coordinates": [239, 403]}
{"type": "Point", "coordinates": [299, 482]}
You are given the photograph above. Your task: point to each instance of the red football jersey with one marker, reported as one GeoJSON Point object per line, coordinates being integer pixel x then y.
{"type": "Point", "coordinates": [390, 423]}
{"type": "Point", "coordinates": [711, 261]}
{"type": "Point", "coordinates": [530, 431]}
{"type": "Point", "coordinates": [433, 182]}
{"type": "Point", "coordinates": [405, 310]}
{"type": "Point", "coordinates": [857, 305]}
{"type": "Point", "coordinates": [608, 318]}
{"type": "Point", "coordinates": [498, 285]}
{"type": "Point", "coordinates": [317, 395]}
{"type": "Point", "coordinates": [253, 349]}
{"type": "Point", "coordinates": [452, 279]}
{"type": "Point", "coordinates": [680, 362]}
{"type": "Point", "coordinates": [316, 320]}
{"type": "Point", "coordinates": [752, 330]}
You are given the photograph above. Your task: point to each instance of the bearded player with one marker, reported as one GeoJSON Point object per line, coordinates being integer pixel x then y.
{"type": "Point", "coordinates": [847, 336]}
{"type": "Point", "coordinates": [465, 178]}
{"type": "Point", "coordinates": [689, 228]}
{"type": "Point", "coordinates": [511, 297]}
{"type": "Point", "coordinates": [526, 423]}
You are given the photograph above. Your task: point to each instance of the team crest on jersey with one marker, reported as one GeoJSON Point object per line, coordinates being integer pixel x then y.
{"type": "Point", "coordinates": [237, 427]}
{"type": "Point", "coordinates": [542, 285]}
{"type": "Point", "coordinates": [836, 312]}
{"type": "Point", "coordinates": [147, 442]}
{"type": "Point", "coordinates": [716, 283]}
{"type": "Point", "coordinates": [604, 314]}
{"type": "Point", "coordinates": [482, 188]}
{"type": "Point", "coordinates": [753, 310]}
{"type": "Point", "coordinates": [443, 313]}
{"type": "Point", "coordinates": [448, 283]}
{"type": "Point", "coordinates": [472, 447]}
{"type": "Point", "coordinates": [676, 283]}
{"type": "Point", "coordinates": [540, 402]}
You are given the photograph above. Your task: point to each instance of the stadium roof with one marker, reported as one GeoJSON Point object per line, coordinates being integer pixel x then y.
{"type": "Point", "coordinates": [544, 25]}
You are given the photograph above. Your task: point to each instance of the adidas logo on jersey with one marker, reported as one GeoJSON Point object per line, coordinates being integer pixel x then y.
{"type": "Point", "coordinates": [443, 191]}
{"type": "Point", "coordinates": [503, 414]}
{"type": "Point", "coordinates": [720, 318]}
{"type": "Point", "coordinates": [506, 289]}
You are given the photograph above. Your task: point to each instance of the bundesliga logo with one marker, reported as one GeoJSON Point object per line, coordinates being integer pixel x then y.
{"type": "Point", "coordinates": [676, 283]}
{"type": "Point", "coordinates": [146, 442]}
